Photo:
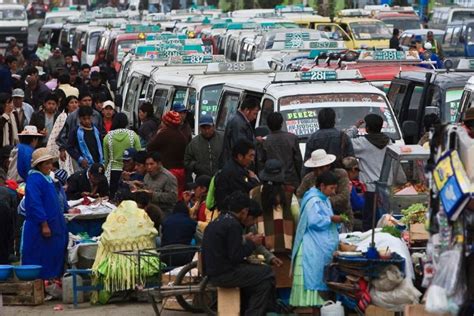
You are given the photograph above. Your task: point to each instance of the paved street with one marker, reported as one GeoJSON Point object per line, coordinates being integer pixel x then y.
{"type": "Point", "coordinates": [129, 308]}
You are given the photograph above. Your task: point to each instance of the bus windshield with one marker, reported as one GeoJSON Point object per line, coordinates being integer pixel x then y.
{"type": "Point", "coordinates": [368, 30]}
{"type": "Point", "coordinates": [300, 112]}
{"type": "Point", "coordinates": [12, 14]}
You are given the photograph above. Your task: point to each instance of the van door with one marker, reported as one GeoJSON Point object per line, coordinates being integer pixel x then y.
{"type": "Point", "coordinates": [228, 105]}
{"type": "Point", "coordinates": [160, 99]}
{"type": "Point", "coordinates": [131, 95]}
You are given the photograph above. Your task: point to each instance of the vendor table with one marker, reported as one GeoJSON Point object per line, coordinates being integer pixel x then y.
{"type": "Point", "coordinates": [90, 219]}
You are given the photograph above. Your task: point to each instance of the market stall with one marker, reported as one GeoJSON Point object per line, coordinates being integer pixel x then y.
{"type": "Point", "coordinates": [87, 215]}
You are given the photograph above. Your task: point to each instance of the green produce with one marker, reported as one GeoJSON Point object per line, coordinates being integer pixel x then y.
{"type": "Point", "coordinates": [392, 230]}
{"type": "Point", "coordinates": [344, 218]}
{"type": "Point", "coordinates": [414, 214]}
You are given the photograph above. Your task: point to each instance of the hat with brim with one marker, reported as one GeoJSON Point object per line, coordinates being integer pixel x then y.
{"type": "Point", "coordinates": [41, 155]}
{"type": "Point", "coordinates": [272, 172]}
{"type": "Point", "coordinates": [30, 130]}
{"type": "Point", "coordinates": [319, 158]}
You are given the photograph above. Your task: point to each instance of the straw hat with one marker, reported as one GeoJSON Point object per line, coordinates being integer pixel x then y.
{"type": "Point", "coordinates": [41, 155]}
{"type": "Point", "coordinates": [319, 158]}
{"type": "Point", "coordinates": [30, 130]}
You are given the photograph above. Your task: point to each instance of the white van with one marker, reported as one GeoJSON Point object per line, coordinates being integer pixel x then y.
{"type": "Point", "coordinates": [13, 23]}
{"type": "Point", "coordinates": [299, 96]}
{"type": "Point", "coordinates": [86, 42]}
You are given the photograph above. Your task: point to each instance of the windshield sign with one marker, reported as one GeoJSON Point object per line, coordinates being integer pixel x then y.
{"type": "Point", "coordinates": [300, 113]}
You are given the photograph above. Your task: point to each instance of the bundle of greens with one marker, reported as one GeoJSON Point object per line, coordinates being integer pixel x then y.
{"type": "Point", "coordinates": [416, 213]}
{"type": "Point", "coordinates": [392, 230]}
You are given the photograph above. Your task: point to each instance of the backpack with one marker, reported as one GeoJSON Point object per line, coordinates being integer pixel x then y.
{"type": "Point", "coordinates": [211, 192]}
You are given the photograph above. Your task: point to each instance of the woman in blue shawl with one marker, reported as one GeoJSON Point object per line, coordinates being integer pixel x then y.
{"type": "Point", "coordinates": [315, 242]}
{"type": "Point", "coordinates": [44, 237]}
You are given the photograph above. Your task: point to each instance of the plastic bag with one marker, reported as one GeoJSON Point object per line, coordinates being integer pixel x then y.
{"type": "Point", "coordinates": [448, 270]}
{"type": "Point", "coordinates": [436, 300]}
{"type": "Point", "coordinates": [389, 279]}
{"type": "Point", "coordinates": [396, 299]}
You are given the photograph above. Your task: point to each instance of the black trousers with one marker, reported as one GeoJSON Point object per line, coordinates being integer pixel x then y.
{"type": "Point", "coordinates": [114, 182]}
{"type": "Point", "coordinates": [257, 287]}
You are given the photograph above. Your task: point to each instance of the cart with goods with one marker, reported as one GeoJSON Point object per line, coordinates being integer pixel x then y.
{"type": "Point", "coordinates": [186, 284]}
{"type": "Point", "coordinates": [402, 181]}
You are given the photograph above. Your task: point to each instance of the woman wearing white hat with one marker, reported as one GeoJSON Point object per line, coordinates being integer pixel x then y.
{"type": "Point", "coordinates": [44, 237]}
{"type": "Point", "coordinates": [319, 163]}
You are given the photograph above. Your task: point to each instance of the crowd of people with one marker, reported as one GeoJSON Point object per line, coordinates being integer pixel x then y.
{"type": "Point", "coordinates": [235, 193]}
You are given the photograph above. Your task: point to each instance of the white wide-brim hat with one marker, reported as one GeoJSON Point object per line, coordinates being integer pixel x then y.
{"type": "Point", "coordinates": [319, 158]}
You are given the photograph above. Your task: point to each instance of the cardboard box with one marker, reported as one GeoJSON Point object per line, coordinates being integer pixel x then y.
{"type": "Point", "coordinates": [419, 310]}
{"type": "Point", "coordinates": [418, 232]}
{"type": "Point", "coordinates": [373, 310]}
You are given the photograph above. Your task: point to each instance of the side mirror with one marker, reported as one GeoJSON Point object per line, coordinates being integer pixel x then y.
{"type": "Point", "coordinates": [432, 110]}
{"type": "Point", "coordinates": [409, 129]}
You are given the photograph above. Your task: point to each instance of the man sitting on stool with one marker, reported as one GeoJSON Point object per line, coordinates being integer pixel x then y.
{"type": "Point", "coordinates": [224, 256]}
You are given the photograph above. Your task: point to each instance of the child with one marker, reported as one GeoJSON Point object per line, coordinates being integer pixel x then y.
{"type": "Point", "coordinates": [84, 143]}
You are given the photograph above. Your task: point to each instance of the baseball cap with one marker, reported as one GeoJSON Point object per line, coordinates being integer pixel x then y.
{"type": "Point", "coordinates": [18, 93]}
{"type": "Point", "coordinates": [140, 157]}
{"type": "Point", "coordinates": [201, 181]}
{"type": "Point", "coordinates": [109, 103]}
{"type": "Point", "coordinates": [206, 120]}
{"type": "Point", "coordinates": [129, 154]}
{"type": "Point", "coordinates": [179, 107]}
{"type": "Point", "coordinates": [97, 169]}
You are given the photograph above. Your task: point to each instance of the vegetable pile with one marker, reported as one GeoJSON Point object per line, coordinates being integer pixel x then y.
{"type": "Point", "coordinates": [414, 214]}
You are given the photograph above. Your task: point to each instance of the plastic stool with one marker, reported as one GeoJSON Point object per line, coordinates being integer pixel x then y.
{"type": "Point", "coordinates": [76, 288]}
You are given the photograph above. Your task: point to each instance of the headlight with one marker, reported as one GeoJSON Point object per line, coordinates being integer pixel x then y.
{"type": "Point", "coordinates": [23, 29]}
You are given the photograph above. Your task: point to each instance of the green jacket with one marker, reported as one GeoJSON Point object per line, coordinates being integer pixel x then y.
{"type": "Point", "coordinates": [115, 143]}
{"type": "Point", "coordinates": [202, 155]}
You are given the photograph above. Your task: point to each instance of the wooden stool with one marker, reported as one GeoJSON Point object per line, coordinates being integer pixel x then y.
{"type": "Point", "coordinates": [228, 301]}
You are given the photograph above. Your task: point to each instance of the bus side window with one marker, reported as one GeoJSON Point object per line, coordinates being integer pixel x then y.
{"type": "Point", "coordinates": [159, 101]}
{"type": "Point", "coordinates": [229, 108]}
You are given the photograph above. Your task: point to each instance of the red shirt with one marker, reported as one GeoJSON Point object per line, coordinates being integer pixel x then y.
{"type": "Point", "coordinates": [108, 125]}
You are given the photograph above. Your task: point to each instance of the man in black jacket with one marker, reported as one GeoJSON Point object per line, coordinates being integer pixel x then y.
{"type": "Point", "coordinates": [285, 147]}
{"type": "Point", "coordinates": [235, 176]}
{"type": "Point", "coordinates": [91, 182]}
{"type": "Point", "coordinates": [239, 127]}
{"type": "Point", "coordinates": [224, 252]}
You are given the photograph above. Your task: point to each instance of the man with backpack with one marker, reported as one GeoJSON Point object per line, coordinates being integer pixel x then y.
{"type": "Point", "coordinates": [329, 138]}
